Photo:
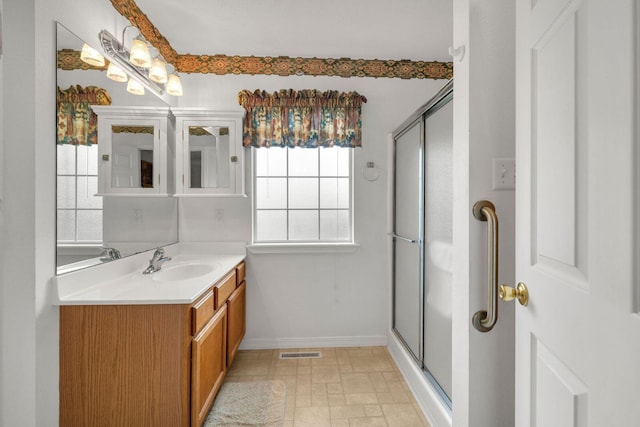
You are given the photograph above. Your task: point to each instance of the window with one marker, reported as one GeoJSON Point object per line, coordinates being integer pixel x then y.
{"type": "Point", "coordinates": [303, 195]}
{"type": "Point", "coordinates": [79, 210]}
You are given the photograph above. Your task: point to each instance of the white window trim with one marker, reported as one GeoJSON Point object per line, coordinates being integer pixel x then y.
{"type": "Point", "coordinates": [302, 246]}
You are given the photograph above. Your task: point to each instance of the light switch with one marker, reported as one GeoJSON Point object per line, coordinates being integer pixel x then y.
{"type": "Point", "coordinates": [504, 174]}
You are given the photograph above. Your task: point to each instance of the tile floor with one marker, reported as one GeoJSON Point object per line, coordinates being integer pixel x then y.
{"type": "Point", "coordinates": [347, 387]}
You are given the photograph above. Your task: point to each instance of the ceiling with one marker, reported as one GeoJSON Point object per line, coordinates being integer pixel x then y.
{"type": "Point", "coordinates": [419, 30]}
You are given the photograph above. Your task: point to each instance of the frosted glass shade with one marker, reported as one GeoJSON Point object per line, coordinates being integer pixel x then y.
{"type": "Point", "coordinates": [139, 55]}
{"type": "Point", "coordinates": [135, 87]}
{"type": "Point", "coordinates": [158, 71]}
{"type": "Point", "coordinates": [174, 85]}
{"type": "Point", "coordinates": [91, 56]}
{"type": "Point", "coordinates": [116, 73]}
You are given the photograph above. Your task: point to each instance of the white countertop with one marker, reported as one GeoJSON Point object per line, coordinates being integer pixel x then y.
{"type": "Point", "coordinates": [122, 282]}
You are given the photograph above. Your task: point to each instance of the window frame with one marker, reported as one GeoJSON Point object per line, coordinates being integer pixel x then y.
{"type": "Point", "coordinates": [263, 246]}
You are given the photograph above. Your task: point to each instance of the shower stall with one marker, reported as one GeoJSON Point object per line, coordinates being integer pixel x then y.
{"type": "Point", "coordinates": [422, 238]}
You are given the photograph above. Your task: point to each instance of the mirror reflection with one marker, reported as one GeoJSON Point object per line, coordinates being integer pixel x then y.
{"type": "Point", "coordinates": [92, 228]}
{"type": "Point", "coordinates": [132, 164]}
{"type": "Point", "coordinates": [208, 157]}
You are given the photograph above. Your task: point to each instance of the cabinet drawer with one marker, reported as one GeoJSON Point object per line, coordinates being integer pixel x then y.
{"type": "Point", "coordinates": [224, 288]}
{"type": "Point", "coordinates": [201, 312]}
{"type": "Point", "coordinates": [240, 272]}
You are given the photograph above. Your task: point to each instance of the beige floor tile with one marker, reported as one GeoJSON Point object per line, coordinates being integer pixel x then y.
{"type": "Point", "coordinates": [360, 398]}
{"type": "Point", "coordinates": [373, 411]}
{"type": "Point", "coordinates": [312, 417]}
{"type": "Point", "coordinates": [303, 384]}
{"type": "Point", "coordinates": [357, 383]}
{"type": "Point", "coordinates": [372, 364]}
{"type": "Point", "coordinates": [334, 388]}
{"type": "Point", "coordinates": [306, 369]}
{"type": "Point", "coordinates": [325, 374]}
{"type": "Point", "coordinates": [303, 400]}
{"type": "Point", "coordinates": [347, 411]}
{"type": "Point", "coordinates": [368, 422]}
{"type": "Point", "coordinates": [350, 387]}
{"type": "Point", "coordinates": [346, 369]}
{"type": "Point", "coordinates": [378, 381]}
{"type": "Point", "coordinates": [336, 399]}
{"type": "Point", "coordinates": [401, 415]}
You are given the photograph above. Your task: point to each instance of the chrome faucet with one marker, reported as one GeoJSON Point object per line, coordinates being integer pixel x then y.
{"type": "Point", "coordinates": [109, 254]}
{"type": "Point", "coordinates": [156, 262]}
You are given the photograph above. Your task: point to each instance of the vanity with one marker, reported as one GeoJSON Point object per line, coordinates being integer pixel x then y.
{"type": "Point", "coordinates": [150, 350]}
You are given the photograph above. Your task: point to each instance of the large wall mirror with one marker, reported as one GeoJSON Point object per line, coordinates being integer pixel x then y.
{"type": "Point", "coordinates": [93, 229]}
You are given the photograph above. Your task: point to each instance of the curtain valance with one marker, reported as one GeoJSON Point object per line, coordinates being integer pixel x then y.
{"type": "Point", "coordinates": [77, 123]}
{"type": "Point", "coordinates": [304, 118]}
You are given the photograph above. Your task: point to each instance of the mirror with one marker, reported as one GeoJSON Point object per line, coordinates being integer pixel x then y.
{"type": "Point", "coordinates": [132, 164]}
{"type": "Point", "coordinates": [94, 229]}
{"type": "Point", "coordinates": [208, 157]}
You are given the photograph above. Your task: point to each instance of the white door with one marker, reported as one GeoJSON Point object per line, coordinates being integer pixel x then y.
{"type": "Point", "coordinates": [578, 340]}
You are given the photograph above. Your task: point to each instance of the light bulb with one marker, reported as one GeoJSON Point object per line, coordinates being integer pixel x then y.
{"type": "Point", "coordinates": [158, 71]}
{"type": "Point", "coordinates": [139, 55]}
{"type": "Point", "coordinates": [91, 56]}
{"type": "Point", "coordinates": [174, 85]}
{"type": "Point", "coordinates": [116, 73]}
{"type": "Point", "coordinates": [135, 87]}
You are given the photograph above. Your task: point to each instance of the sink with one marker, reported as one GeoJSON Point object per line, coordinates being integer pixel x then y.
{"type": "Point", "coordinates": [183, 271]}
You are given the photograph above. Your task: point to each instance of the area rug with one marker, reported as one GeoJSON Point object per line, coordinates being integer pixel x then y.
{"type": "Point", "coordinates": [252, 403]}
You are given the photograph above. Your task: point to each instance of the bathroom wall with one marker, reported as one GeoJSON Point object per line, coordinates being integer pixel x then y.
{"type": "Point", "coordinates": [29, 321]}
{"type": "Point", "coordinates": [310, 299]}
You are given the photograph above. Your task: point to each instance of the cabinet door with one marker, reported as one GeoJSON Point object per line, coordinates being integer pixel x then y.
{"type": "Point", "coordinates": [208, 365]}
{"type": "Point", "coordinates": [236, 305]}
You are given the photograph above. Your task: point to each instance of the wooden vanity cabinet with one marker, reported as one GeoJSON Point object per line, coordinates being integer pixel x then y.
{"type": "Point", "coordinates": [208, 365]}
{"type": "Point", "coordinates": [157, 365]}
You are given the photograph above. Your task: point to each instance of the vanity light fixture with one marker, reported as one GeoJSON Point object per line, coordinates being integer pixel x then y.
{"type": "Point", "coordinates": [139, 55]}
{"type": "Point", "coordinates": [174, 85]}
{"type": "Point", "coordinates": [155, 78]}
{"type": "Point", "coordinates": [116, 73]}
{"type": "Point", "coordinates": [91, 56]}
{"type": "Point", "coordinates": [135, 87]}
{"type": "Point", "coordinates": [158, 71]}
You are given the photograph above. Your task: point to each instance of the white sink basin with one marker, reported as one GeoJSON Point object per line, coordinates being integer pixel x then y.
{"type": "Point", "coordinates": [183, 271]}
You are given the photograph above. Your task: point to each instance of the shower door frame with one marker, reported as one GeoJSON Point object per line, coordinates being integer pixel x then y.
{"type": "Point", "coordinates": [442, 98]}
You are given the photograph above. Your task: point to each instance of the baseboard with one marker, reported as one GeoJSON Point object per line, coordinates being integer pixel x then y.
{"type": "Point", "coordinates": [313, 342]}
{"type": "Point", "coordinates": [433, 409]}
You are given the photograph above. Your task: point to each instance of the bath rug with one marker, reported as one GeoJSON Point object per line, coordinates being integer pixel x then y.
{"type": "Point", "coordinates": [248, 404]}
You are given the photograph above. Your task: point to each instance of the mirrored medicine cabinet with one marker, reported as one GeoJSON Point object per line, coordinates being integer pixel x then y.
{"type": "Point", "coordinates": [209, 160]}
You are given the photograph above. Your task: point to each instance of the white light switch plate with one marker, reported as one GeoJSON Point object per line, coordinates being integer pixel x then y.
{"type": "Point", "coordinates": [504, 174]}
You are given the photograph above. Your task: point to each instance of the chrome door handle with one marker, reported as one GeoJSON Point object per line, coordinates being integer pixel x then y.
{"type": "Point", "coordinates": [406, 239]}
{"type": "Point", "coordinates": [483, 320]}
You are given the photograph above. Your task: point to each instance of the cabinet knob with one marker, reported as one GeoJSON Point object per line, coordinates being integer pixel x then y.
{"type": "Point", "coordinates": [105, 157]}
{"type": "Point", "coordinates": [234, 159]}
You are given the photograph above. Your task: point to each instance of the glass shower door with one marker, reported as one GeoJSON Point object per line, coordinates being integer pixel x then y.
{"type": "Point", "coordinates": [407, 239]}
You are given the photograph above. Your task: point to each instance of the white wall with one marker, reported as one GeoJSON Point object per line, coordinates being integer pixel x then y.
{"type": "Point", "coordinates": [484, 128]}
{"type": "Point", "coordinates": [299, 300]}
{"type": "Point", "coordinates": [29, 321]}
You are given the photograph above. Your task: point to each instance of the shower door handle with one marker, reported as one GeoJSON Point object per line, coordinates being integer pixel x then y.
{"type": "Point", "coordinates": [485, 320]}
{"type": "Point", "coordinates": [406, 239]}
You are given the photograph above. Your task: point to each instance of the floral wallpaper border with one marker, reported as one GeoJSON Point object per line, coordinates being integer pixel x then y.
{"type": "Point", "coordinates": [281, 65]}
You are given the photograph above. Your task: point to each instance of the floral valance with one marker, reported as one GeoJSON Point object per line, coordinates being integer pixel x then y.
{"type": "Point", "coordinates": [77, 123]}
{"type": "Point", "coordinates": [304, 118]}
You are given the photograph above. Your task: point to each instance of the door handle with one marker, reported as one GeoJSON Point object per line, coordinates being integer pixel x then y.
{"type": "Point", "coordinates": [521, 293]}
{"type": "Point", "coordinates": [485, 320]}
{"type": "Point", "coordinates": [406, 239]}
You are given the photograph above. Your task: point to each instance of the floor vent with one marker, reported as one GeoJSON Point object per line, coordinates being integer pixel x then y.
{"type": "Point", "coordinates": [301, 355]}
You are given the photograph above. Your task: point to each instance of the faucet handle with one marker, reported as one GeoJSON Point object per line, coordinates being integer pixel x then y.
{"type": "Point", "coordinates": [159, 252]}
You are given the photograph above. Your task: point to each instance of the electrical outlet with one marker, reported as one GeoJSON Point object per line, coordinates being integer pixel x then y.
{"type": "Point", "coordinates": [137, 216]}
{"type": "Point", "coordinates": [219, 216]}
{"type": "Point", "coordinates": [504, 174]}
